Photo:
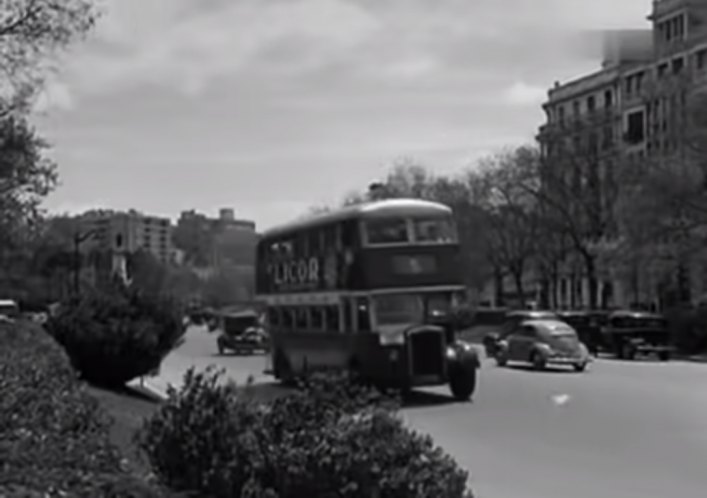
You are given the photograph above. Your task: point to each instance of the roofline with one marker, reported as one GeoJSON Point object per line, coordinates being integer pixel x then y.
{"type": "Point", "coordinates": [357, 211]}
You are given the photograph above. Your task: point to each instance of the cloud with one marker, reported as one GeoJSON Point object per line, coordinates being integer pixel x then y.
{"type": "Point", "coordinates": [186, 45]}
{"type": "Point", "coordinates": [523, 94]}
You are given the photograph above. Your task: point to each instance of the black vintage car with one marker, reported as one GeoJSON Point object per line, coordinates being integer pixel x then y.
{"type": "Point", "coordinates": [511, 322]}
{"type": "Point", "coordinates": [632, 333]}
{"type": "Point", "coordinates": [241, 332]}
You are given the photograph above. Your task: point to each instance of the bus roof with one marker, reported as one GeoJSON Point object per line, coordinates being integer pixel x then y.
{"type": "Point", "coordinates": [367, 210]}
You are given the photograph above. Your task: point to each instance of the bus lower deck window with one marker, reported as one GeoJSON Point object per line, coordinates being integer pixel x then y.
{"type": "Point", "coordinates": [301, 321]}
{"type": "Point", "coordinates": [332, 318]}
{"type": "Point", "coordinates": [274, 317]}
{"type": "Point", "coordinates": [364, 316]}
{"type": "Point", "coordinates": [288, 321]}
{"type": "Point", "coordinates": [317, 318]}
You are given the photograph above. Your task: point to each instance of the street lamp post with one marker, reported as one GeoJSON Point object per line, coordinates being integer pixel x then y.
{"type": "Point", "coordinates": [80, 238]}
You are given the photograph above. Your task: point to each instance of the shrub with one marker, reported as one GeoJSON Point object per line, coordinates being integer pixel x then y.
{"type": "Point", "coordinates": [117, 334]}
{"type": "Point", "coordinates": [53, 434]}
{"type": "Point", "coordinates": [331, 438]}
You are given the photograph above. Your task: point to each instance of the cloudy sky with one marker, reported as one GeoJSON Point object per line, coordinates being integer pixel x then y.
{"type": "Point", "coordinates": [272, 106]}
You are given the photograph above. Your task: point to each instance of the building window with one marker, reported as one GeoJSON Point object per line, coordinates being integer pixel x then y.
{"type": "Point", "coordinates": [561, 113]}
{"type": "Point", "coordinates": [662, 69]}
{"type": "Point", "coordinates": [608, 99]}
{"type": "Point", "coordinates": [591, 103]}
{"type": "Point", "coordinates": [575, 108]}
{"type": "Point", "coordinates": [678, 65]}
{"type": "Point", "coordinates": [635, 129]}
{"type": "Point", "coordinates": [700, 58]}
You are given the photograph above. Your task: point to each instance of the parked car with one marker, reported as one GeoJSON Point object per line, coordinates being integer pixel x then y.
{"type": "Point", "coordinates": [510, 323]}
{"type": "Point", "coordinates": [241, 332]}
{"type": "Point", "coordinates": [632, 333]}
{"type": "Point", "coordinates": [541, 343]}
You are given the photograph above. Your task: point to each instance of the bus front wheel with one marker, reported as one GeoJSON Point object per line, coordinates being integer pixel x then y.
{"type": "Point", "coordinates": [283, 369]}
{"type": "Point", "coordinates": [462, 383]}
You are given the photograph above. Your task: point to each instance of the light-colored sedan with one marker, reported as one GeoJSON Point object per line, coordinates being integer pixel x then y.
{"type": "Point", "coordinates": [542, 343]}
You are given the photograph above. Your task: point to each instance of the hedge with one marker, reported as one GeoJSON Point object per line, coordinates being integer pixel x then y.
{"type": "Point", "coordinates": [332, 438]}
{"type": "Point", "coordinates": [116, 334]}
{"type": "Point", "coordinates": [54, 438]}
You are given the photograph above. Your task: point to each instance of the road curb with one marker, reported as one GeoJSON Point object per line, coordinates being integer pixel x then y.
{"type": "Point", "coordinates": [148, 388]}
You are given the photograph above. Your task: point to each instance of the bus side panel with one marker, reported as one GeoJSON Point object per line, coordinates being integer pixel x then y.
{"type": "Point", "coordinates": [312, 350]}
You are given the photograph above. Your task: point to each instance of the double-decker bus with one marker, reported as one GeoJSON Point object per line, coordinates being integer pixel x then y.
{"type": "Point", "coordinates": [370, 288]}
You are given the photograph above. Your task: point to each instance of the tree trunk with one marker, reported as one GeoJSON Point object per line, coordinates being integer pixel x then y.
{"type": "Point", "coordinates": [498, 288]}
{"type": "Point", "coordinates": [591, 271]}
{"type": "Point", "coordinates": [518, 282]}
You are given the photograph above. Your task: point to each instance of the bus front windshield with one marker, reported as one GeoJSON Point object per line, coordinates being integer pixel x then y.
{"type": "Point", "coordinates": [425, 230]}
{"type": "Point", "coordinates": [411, 309]}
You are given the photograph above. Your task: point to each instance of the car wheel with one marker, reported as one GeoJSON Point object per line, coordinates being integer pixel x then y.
{"type": "Point", "coordinates": [664, 356]}
{"type": "Point", "coordinates": [580, 367]}
{"type": "Point", "coordinates": [462, 383]}
{"type": "Point", "coordinates": [501, 359]}
{"type": "Point", "coordinates": [538, 361]}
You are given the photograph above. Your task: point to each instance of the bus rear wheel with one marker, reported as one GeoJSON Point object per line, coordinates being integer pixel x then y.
{"type": "Point", "coordinates": [462, 383]}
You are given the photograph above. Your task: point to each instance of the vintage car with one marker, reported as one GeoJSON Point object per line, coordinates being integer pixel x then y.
{"type": "Point", "coordinates": [543, 342]}
{"type": "Point", "coordinates": [511, 322]}
{"type": "Point", "coordinates": [241, 332]}
{"type": "Point", "coordinates": [628, 334]}
{"type": "Point", "coordinates": [9, 310]}
{"type": "Point", "coordinates": [588, 324]}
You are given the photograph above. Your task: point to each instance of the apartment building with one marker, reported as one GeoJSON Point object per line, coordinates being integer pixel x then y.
{"type": "Point", "coordinates": [632, 110]}
{"type": "Point", "coordinates": [127, 232]}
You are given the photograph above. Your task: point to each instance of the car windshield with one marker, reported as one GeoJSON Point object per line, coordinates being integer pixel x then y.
{"type": "Point", "coordinates": [239, 324]}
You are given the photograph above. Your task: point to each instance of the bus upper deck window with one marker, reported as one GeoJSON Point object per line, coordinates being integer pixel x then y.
{"type": "Point", "coordinates": [388, 231]}
{"type": "Point", "coordinates": [434, 230]}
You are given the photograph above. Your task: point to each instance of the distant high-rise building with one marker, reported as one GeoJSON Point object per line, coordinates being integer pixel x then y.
{"type": "Point", "coordinates": [224, 245]}
{"type": "Point", "coordinates": [128, 232]}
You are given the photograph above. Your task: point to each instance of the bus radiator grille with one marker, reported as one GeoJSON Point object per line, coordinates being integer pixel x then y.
{"type": "Point", "coordinates": [426, 353]}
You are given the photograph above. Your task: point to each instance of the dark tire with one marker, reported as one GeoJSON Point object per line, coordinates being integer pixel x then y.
{"type": "Point", "coordinates": [664, 356]}
{"type": "Point", "coordinates": [221, 349]}
{"type": "Point", "coordinates": [580, 367]}
{"type": "Point", "coordinates": [538, 362]}
{"type": "Point", "coordinates": [462, 383]}
{"type": "Point", "coordinates": [501, 359]}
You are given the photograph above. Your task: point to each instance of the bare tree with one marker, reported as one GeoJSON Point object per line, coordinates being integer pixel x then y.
{"type": "Point", "coordinates": [578, 188]}
{"type": "Point", "coordinates": [510, 212]}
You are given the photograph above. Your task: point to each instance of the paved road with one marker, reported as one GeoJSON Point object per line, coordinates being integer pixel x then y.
{"type": "Point", "coordinates": [621, 430]}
